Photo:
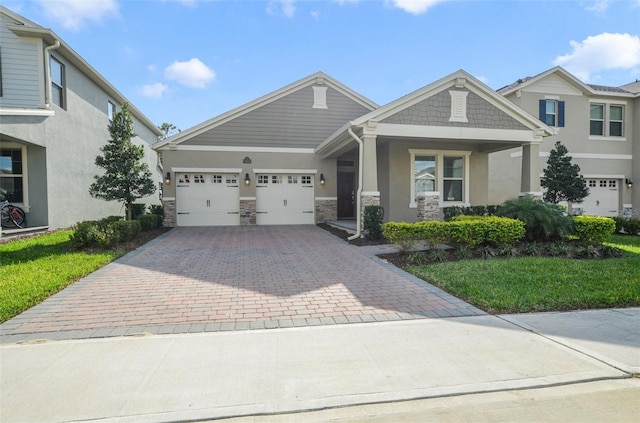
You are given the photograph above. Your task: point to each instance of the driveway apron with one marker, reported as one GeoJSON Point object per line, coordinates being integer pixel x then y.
{"type": "Point", "coordinates": [204, 279]}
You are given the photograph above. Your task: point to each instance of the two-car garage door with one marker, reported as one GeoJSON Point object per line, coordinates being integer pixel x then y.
{"type": "Point", "coordinates": [212, 199]}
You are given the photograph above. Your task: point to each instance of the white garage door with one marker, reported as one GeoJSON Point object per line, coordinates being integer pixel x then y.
{"type": "Point", "coordinates": [285, 200]}
{"type": "Point", "coordinates": [207, 199]}
{"type": "Point", "coordinates": [603, 198]}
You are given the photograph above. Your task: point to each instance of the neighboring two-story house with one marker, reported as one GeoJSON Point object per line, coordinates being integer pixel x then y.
{"type": "Point", "coordinates": [599, 125]}
{"type": "Point", "coordinates": [54, 115]}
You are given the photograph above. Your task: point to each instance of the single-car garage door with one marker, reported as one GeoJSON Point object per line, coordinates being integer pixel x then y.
{"type": "Point", "coordinates": [283, 199]}
{"type": "Point", "coordinates": [603, 198]}
{"type": "Point", "coordinates": [207, 199]}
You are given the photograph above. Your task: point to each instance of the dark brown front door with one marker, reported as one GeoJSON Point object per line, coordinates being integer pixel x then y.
{"type": "Point", "coordinates": [346, 195]}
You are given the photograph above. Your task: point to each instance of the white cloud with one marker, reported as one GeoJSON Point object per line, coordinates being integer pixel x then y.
{"type": "Point", "coordinates": [156, 90]}
{"type": "Point", "coordinates": [601, 52]}
{"type": "Point", "coordinates": [287, 7]}
{"type": "Point", "coordinates": [415, 7]}
{"type": "Point", "coordinates": [597, 6]}
{"type": "Point", "coordinates": [73, 14]}
{"type": "Point", "coordinates": [192, 73]}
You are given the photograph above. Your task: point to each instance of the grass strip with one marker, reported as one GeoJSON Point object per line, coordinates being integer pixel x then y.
{"type": "Point", "coordinates": [533, 284]}
{"type": "Point", "coordinates": [33, 269]}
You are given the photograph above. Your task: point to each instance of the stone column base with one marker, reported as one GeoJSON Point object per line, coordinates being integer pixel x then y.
{"type": "Point", "coordinates": [429, 207]}
{"type": "Point", "coordinates": [247, 212]}
{"type": "Point", "coordinates": [326, 210]}
{"type": "Point", "coordinates": [169, 213]}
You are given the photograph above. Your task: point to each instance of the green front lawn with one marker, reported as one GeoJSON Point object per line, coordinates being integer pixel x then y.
{"type": "Point", "coordinates": [530, 284]}
{"type": "Point", "coordinates": [33, 269]}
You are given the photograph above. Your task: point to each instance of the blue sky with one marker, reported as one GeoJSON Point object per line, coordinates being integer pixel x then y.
{"type": "Point", "coordinates": [186, 61]}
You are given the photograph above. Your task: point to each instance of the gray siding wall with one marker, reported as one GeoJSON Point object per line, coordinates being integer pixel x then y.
{"type": "Point", "coordinates": [436, 111]}
{"type": "Point", "coordinates": [288, 122]}
{"type": "Point", "coordinates": [20, 69]}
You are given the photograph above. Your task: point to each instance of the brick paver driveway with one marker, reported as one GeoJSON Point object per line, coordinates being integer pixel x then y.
{"type": "Point", "coordinates": [231, 278]}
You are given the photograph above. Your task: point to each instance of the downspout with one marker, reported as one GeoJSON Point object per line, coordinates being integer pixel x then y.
{"type": "Point", "coordinates": [358, 233]}
{"type": "Point", "coordinates": [47, 74]}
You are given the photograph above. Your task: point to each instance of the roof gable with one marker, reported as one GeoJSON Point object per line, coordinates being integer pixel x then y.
{"type": "Point", "coordinates": [431, 106]}
{"type": "Point", "coordinates": [287, 114]}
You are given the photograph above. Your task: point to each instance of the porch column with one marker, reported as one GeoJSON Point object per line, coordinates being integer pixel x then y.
{"type": "Point", "coordinates": [370, 194]}
{"type": "Point", "coordinates": [530, 179]}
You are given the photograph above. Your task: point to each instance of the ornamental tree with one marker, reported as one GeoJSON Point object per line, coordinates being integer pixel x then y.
{"type": "Point", "coordinates": [562, 178]}
{"type": "Point", "coordinates": [126, 178]}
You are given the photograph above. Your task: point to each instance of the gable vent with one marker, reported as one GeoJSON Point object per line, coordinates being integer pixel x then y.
{"type": "Point", "coordinates": [319, 97]}
{"type": "Point", "coordinates": [458, 106]}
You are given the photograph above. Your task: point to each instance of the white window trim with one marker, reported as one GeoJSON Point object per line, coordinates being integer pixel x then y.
{"type": "Point", "coordinates": [606, 120]}
{"type": "Point", "coordinates": [25, 174]}
{"type": "Point", "coordinates": [439, 155]}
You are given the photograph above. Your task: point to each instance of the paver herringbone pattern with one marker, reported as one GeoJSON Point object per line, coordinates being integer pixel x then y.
{"type": "Point", "coordinates": [230, 278]}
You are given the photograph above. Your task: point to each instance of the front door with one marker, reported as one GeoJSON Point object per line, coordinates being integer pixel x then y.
{"type": "Point", "coordinates": [346, 195]}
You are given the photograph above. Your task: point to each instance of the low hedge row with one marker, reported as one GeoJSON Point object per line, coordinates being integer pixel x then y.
{"type": "Point", "coordinates": [462, 230]}
{"type": "Point", "coordinates": [111, 230]}
{"type": "Point", "coordinates": [593, 230]}
{"type": "Point", "coordinates": [626, 225]}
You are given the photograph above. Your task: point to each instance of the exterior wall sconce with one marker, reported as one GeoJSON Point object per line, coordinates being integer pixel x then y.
{"type": "Point", "coordinates": [629, 183]}
{"type": "Point", "coordinates": [167, 179]}
{"type": "Point", "coordinates": [322, 180]}
{"type": "Point", "coordinates": [247, 180]}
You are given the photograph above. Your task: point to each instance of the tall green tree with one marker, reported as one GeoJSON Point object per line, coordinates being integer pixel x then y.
{"type": "Point", "coordinates": [562, 178]}
{"type": "Point", "coordinates": [126, 178]}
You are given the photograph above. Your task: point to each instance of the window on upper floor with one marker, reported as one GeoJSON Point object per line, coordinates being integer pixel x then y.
{"type": "Point", "coordinates": [606, 120]}
{"type": "Point", "coordinates": [57, 82]}
{"type": "Point", "coordinates": [551, 112]}
{"type": "Point", "coordinates": [111, 110]}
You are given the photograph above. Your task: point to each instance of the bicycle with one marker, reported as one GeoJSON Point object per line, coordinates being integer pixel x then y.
{"type": "Point", "coordinates": [11, 214]}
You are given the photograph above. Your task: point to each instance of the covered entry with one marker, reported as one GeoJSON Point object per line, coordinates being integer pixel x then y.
{"type": "Point", "coordinates": [207, 199]}
{"type": "Point", "coordinates": [284, 198]}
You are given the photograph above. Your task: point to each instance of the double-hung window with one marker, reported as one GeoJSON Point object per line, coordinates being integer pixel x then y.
{"type": "Point", "coordinates": [57, 82]}
{"type": "Point", "coordinates": [444, 172]}
{"type": "Point", "coordinates": [12, 174]}
{"type": "Point", "coordinates": [606, 120]}
{"type": "Point", "coordinates": [551, 112]}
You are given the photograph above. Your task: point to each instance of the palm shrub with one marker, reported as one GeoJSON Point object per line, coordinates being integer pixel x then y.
{"type": "Point", "coordinates": [543, 221]}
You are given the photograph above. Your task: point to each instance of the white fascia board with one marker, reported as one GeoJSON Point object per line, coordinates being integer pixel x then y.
{"type": "Point", "coordinates": [595, 156]}
{"type": "Point", "coordinates": [602, 176]}
{"type": "Point", "coordinates": [292, 171]}
{"type": "Point", "coordinates": [26, 112]}
{"type": "Point", "coordinates": [557, 70]}
{"type": "Point", "coordinates": [326, 198]}
{"type": "Point", "coordinates": [336, 141]}
{"type": "Point", "coordinates": [453, 132]}
{"type": "Point", "coordinates": [206, 170]}
{"type": "Point", "coordinates": [228, 148]}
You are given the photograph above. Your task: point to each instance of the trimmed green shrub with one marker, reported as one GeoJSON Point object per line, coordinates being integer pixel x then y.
{"type": "Point", "coordinates": [149, 221]}
{"type": "Point", "coordinates": [620, 221]}
{"type": "Point", "coordinates": [372, 221]}
{"type": "Point", "coordinates": [96, 233]}
{"type": "Point", "coordinates": [127, 229]}
{"type": "Point", "coordinates": [593, 230]}
{"type": "Point", "coordinates": [631, 226]}
{"type": "Point", "coordinates": [157, 210]}
{"type": "Point", "coordinates": [453, 211]}
{"type": "Point", "coordinates": [401, 233]}
{"type": "Point", "coordinates": [137, 210]}
{"type": "Point", "coordinates": [543, 221]}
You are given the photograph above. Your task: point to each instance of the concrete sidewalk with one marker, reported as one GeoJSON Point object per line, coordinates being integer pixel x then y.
{"type": "Point", "coordinates": [316, 371]}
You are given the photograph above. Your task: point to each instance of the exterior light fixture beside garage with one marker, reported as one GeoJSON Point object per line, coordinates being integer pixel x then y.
{"type": "Point", "coordinates": [167, 179]}
{"type": "Point", "coordinates": [322, 180]}
{"type": "Point", "coordinates": [629, 183]}
{"type": "Point", "coordinates": [247, 180]}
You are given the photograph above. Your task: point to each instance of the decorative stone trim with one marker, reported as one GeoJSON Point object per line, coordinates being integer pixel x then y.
{"type": "Point", "coordinates": [428, 207]}
{"type": "Point", "coordinates": [326, 210]}
{"type": "Point", "coordinates": [247, 212]}
{"type": "Point", "coordinates": [367, 200]}
{"type": "Point", "coordinates": [169, 213]}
